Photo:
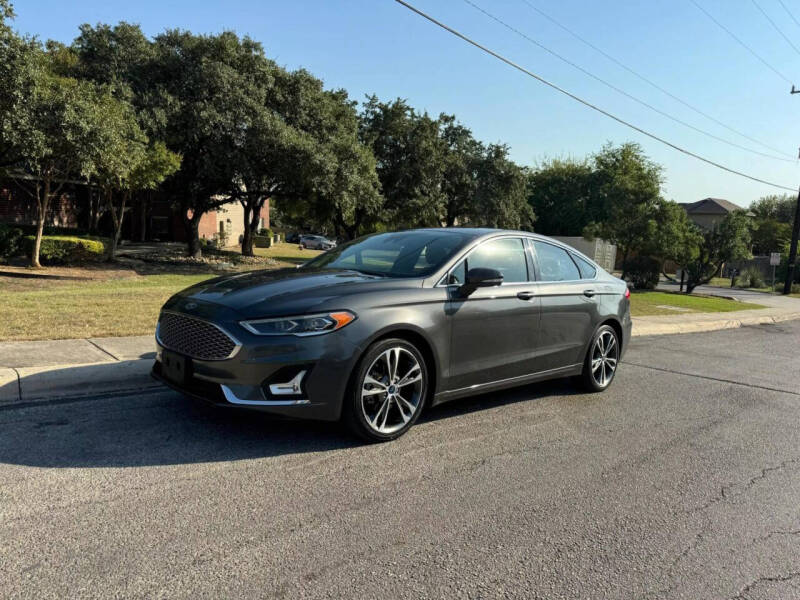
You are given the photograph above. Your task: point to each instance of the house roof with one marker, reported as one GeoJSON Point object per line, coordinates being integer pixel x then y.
{"type": "Point", "coordinates": [710, 206]}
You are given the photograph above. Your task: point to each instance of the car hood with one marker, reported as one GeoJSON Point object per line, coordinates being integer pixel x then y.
{"type": "Point", "coordinates": [285, 291]}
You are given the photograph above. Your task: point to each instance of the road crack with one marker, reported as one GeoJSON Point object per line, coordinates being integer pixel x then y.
{"type": "Point", "coordinates": [709, 378]}
{"type": "Point", "coordinates": [770, 579]}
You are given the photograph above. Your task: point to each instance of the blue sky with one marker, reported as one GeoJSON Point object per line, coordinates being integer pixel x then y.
{"type": "Point", "coordinates": [377, 46]}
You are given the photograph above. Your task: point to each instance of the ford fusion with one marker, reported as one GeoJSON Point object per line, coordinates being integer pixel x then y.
{"type": "Point", "coordinates": [375, 330]}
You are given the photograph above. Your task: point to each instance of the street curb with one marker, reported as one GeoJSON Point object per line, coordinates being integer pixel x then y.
{"type": "Point", "coordinates": [642, 329]}
{"type": "Point", "coordinates": [34, 384]}
{"type": "Point", "coordinates": [24, 385]}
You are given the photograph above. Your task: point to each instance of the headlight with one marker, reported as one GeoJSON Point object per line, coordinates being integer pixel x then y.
{"type": "Point", "coordinates": [300, 325]}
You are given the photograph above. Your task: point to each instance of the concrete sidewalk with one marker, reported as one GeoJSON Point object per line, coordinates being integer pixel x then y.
{"type": "Point", "coordinates": [52, 369]}
{"type": "Point", "coordinates": [45, 370]}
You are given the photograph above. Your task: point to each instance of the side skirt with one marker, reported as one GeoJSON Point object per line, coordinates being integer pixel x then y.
{"type": "Point", "coordinates": [482, 388]}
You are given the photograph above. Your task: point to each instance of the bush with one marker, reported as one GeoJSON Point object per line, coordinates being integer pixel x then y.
{"type": "Point", "coordinates": [262, 241]}
{"type": "Point", "coordinates": [265, 232]}
{"type": "Point", "coordinates": [642, 272]}
{"type": "Point", "coordinates": [751, 277]}
{"type": "Point", "coordinates": [67, 250]}
{"type": "Point", "coordinates": [10, 241]}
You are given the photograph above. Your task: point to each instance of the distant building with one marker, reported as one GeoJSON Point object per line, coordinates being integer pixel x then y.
{"type": "Point", "coordinates": [151, 217]}
{"type": "Point", "coordinates": [708, 212]}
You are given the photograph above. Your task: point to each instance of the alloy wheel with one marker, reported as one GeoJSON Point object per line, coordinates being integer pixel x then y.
{"type": "Point", "coordinates": [605, 355]}
{"type": "Point", "coordinates": [392, 390]}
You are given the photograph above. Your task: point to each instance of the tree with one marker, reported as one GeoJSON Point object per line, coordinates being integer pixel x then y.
{"type": "Point", "coordinates": [202, 82]}
{"type": "Point", "coordinates": [408, 153]}
{"type": "Point", "coordinates": [301, 149]}
{"type": "Point", "coordinates": [463, 155]}
{"type": "Point", "coordinates": [771, 235]}
{"type": "Point", "coordinates": [117, 147]}
{"type": "Point", "coordinates": [563, 195]}
{"type": "Point", "coordinates": [628, 185]}
{"type": "Point", "coordinates": [20, 59]}
{"type": "Point", "coordinates": [676, 238]}
{"type": "Point", "coordinates": [52, 133]}
{"type": "Point", "coordinates": [779, 207]}
{"type": "Point", "coordinates": [119, 57]}
{"type": "Point", "coordinates": [725, 241]}
{"type": "Point", "coordinates": [153, 164]}
{"type": "Point", "coordinates": [501, 194]}
{"type": "Point", "coordinates": [772, 223]}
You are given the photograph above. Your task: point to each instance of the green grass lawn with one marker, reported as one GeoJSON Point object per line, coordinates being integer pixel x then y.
{"type": "Point", "coordinates": [725, 282]}
{"type": "Point", "coordinates": [116, 307]}
{"type": "Point", "coordinates": [41, 310]}
{"type": "Point", "coordinates": [656, 303]}
{"type": "Point", "coordinates": [291, 254]}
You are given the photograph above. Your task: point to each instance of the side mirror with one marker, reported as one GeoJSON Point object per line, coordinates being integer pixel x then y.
{"type": "Point", "coordinates": [480, 277]}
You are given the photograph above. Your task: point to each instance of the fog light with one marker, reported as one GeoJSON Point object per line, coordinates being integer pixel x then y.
{"type": "Point", "coordinates": [292, 387]}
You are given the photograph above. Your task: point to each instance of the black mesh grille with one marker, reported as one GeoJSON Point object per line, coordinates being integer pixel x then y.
{"type": "Point", "coordinates": [193, 337]}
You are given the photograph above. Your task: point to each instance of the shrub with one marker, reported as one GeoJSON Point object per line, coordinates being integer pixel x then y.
{"type": "Point", "coordinates": [262, 241]}
{"type": "Point", "coordinates": [642, 272]}
{"type": "Point", "coordinates": [263, 232]}
{"type": "Point", "coordinates": [10, 241]}
{"type": "Point", "coordinates": [66, 250]}
{"type": "Point", "coordinates": [751, 277]}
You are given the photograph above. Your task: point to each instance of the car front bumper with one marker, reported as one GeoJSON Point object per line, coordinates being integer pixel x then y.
{"type": "Point", "coordinates": [318, 366]}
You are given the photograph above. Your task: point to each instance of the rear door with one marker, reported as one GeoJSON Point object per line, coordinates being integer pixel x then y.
{"type": "Point", "coordinates": [568, 306]}
{"type": "Point", "coordinates": [494, 330]}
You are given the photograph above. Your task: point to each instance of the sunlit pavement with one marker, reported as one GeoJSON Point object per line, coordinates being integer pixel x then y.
{"type": "Point", "coordinates": [682, 481]}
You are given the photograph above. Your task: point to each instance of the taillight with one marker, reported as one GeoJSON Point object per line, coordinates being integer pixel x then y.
{"type": "Point", "coordinates": [627, 292]}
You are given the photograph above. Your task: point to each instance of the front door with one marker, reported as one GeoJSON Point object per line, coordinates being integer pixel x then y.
{"type": "Point", "coordinates": [493, 330]}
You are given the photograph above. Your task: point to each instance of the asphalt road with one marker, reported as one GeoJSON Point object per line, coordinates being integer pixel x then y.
{"type": "Point", "coordinates": [682, 481]}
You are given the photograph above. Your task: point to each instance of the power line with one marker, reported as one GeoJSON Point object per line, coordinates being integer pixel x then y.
{"type": "Point", "coordinates": [788, 12]}
{"type": "Point", "coordinates": [775, 26]}
{"type": "Point", "coordinates": [745, 46]}
{"type": "Point", "coordinates": [581, 100]}
{"type": "Point", "coordinates": [619, 90]}
{"type": "Point", "coordinates": [650, 82]}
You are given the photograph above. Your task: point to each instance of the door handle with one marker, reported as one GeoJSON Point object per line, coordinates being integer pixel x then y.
{"type": "Point", "coordinates": [525, 295]}
{"type": "Point", "coordinates": [589, 293]}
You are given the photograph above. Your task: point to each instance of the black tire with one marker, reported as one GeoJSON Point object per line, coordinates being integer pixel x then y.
{"type": "Point", "coordinates": [357, 412]}
{"type": "Point", "coordinates": [597, 377]}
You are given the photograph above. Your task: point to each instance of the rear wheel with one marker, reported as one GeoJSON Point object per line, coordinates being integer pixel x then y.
{"type": "Point", "coordinates": [388, 391]}
{"type": "Point", "coordinates": [600, 364]}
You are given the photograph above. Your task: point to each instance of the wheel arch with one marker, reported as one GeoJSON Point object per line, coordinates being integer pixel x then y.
{"type": "Point", "coordinates": [417, 337]}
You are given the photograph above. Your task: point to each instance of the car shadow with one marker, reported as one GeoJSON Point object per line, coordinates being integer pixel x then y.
{"type": "Point", "coordinates": [160, 428]}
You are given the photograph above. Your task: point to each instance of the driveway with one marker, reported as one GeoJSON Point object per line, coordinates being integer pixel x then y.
{"type": "Point", "coordinates": [736, 293]}
{"type": "Point", "coordinates": [683, 481]}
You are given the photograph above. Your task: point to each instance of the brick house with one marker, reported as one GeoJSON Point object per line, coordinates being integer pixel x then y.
{"type": "Point", "coordinates": [150, 218]}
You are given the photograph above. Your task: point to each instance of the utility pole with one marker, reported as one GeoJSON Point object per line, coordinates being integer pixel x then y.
{"type": "Point", "coordinates": [787, 286]}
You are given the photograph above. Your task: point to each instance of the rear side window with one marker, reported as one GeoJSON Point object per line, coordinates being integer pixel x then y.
{"type": "Point", "coordinates": [554, 263]}
{"type": "Point", "coordinates": [588, 271]}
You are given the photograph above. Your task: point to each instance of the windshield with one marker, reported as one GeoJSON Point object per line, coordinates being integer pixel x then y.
{"type": "Point", "coordinates": [399, 254]}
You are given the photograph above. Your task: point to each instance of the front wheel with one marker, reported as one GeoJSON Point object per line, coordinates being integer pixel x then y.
{"type": "Point", "coordinates": [388, 391]}
{"type": "Point", "coordinates": [602, 359]}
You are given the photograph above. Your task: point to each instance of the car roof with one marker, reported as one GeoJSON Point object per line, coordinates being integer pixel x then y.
{"type": "Point", "coordinates": [478, 232]}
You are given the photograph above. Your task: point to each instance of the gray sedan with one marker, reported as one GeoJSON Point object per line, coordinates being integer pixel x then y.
{"type": "Point", "coordinates": [373, 331]}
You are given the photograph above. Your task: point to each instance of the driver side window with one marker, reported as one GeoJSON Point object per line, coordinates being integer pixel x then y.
{"type": "Point", "coordinates": [506, 255]}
